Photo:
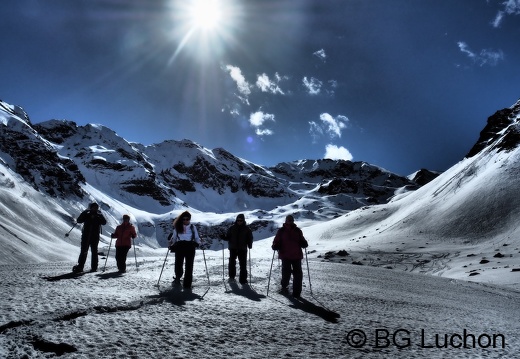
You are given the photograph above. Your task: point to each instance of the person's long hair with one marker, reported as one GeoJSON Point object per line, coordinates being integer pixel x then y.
{"type": "Point", "coordinates": [177, 223]}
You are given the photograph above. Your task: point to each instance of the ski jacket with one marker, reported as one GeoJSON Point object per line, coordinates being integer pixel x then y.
{"type": "Point", "coordinates": [289, 242]}
{"type": "Point", "coordinates": [92, 221]}
{"type": "Point", "coordinates": [124, 234]}
{"type": "Point", "coordinates": [239, 237]}
{"type": "Point", "coordinates": [190, 234]}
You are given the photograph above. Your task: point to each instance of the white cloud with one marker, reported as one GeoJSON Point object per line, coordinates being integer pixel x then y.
{"type": "Point", "coordinates": [242, 85]}
{"type": "Point", "coordinates": [511, 7]}
{"type": "Point", "coordinates": [263, 132]}
{"type": "Point", "coordinates": [258, 119]}
{"type": "Point", "coordinates": [334, 152]}
{"type": "Point", "coordinates": [312, 85]}
{"type": "Point", "coordinates": [267, 85]}
{"type": "Point", "coordinates": [485, 57]}
{"type": "Point", "coordinates": [498, 19]}
{"type": "Point", "coordinates": [334, 125]}
{"type": "Point", "coordinates": [320, 54]}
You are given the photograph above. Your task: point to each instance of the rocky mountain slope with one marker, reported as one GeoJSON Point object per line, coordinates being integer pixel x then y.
{"type": "Point", "coordinates": [78, 164]}
{"type": "Point", "coordinates": [54, 169]}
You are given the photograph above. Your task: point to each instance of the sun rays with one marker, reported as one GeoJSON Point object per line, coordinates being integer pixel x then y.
{"type": "Point", "coordinates": [204, 27]}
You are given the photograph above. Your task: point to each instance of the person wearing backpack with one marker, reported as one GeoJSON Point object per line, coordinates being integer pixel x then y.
{"type": "Point", "coordinates": [289, 242]}
{"type": "Point", "coordinates": [92, 220]}
{"type": "Point", "coordinates": [124, 233]}
{"type": "Point", "coordinates": [183, 241]}
{"type": "Point", "coordinates": [240, 238]}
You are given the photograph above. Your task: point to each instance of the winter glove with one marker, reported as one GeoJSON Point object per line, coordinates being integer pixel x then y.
{"type": "Point", "coordinates": [196, 244]}
{"type": "Point", "coordinates": [304, 243]}
{"type": "Point", "coordinates": [113, 235]}
{"type": "Point", "coordinates": [275, 247]}
{"type": "Point", "coordinates": [250, 245]}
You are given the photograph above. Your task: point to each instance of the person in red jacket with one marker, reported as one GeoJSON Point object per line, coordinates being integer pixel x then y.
{"type": "Point", "coordinates": [124, 233]}
{"type": "Point", "coordinates": [289, 242]}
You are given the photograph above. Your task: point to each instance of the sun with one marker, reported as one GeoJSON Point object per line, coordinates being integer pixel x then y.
{"type": "Point", "coordinates": [205, 14]}
{"type": "Point", "coordinates": [204, 28]}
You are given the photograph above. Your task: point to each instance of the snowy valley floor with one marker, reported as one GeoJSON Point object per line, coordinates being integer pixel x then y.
{"type": "Point", "coordinates": [353, 311]}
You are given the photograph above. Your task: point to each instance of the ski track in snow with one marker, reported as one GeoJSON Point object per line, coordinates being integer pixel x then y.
{"type": "Point", "coordinates": [46, 312]}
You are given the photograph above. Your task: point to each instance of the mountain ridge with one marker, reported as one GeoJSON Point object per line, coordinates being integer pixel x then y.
{"type": "Point", "coordinates": [154, 182]}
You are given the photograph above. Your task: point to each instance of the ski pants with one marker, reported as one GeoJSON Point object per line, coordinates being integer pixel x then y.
{"type": "Point", "coordinates": [294, 267]}
{"type": "Point", "coordinates": [185, 252]}
{"type": "Point", "coordinates": [121, 253]}
{"type": "Point", "coordinates": [241, 254]}
{"type": "Point", "coordinates": [86, 243]}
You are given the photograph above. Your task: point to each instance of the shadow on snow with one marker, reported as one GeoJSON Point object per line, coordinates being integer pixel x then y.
{"type": "Point", "coordinates": [245, 291]}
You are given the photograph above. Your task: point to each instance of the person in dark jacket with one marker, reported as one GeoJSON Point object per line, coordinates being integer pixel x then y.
{"type": "Point", "coordinates": [124, 233]}
{"type": "Point", "coordinates": [289, 242]}
{"type": "Point", "coordinates": [185, 239]}
{"type": "Point", "coordinates": [240, 238]}
{"type": "Point", "coordinates": [92, 220]}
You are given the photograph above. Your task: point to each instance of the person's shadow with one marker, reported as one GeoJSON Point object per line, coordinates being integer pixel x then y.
{"type": "Point", "coordinates": [309, 307]}
{"type": "Point", "coordinates": [70, 275]}
{"type": "Point", "coordinates": [105, 275]}
{"type": "Point", "coordinates": [175, 295]}
{"type": "Point", "coordinates": [245, 290]}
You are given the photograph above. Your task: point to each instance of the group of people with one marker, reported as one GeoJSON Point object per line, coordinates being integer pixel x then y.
{"type": "Point", "coordinates": [93, 220]}
{"type": "Point", "coordinates": [185, 239]}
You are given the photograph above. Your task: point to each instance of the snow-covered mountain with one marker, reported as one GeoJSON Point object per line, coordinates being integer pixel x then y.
{"type": "Point", "coordinates": [49, 172]}
{"type": "Point", "coordinates": [70, 165]}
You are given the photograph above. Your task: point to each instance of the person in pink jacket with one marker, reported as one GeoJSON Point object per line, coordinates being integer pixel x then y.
{"type": "Point", "coordinates": [289, 242]}
{"type": "Point", "coordinates": [124, 233]}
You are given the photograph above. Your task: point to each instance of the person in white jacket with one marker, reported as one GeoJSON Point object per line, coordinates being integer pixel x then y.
{"type": "Point", "coordinates": [183, 241]}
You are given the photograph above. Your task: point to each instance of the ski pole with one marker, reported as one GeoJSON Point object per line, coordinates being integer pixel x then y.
{"type": "Point", "coordinates": [106, 259]}
{"type": "Point", "coordinates": [249, 266]}
{"type": "Point", "coordinates": [206, 265]}
{"type": "Point", "coordinates": [269, 281]}
{"type": "Point", "coordinates": [135, 255]}
{"type": "Point", "coordinates": [160, 275]}
{"type": "Point", "coordinates": [223, 265]}
{"type": "Point", "coordinates": [308, 271]}
{"type": "Point", "coordinates": [74, 226]}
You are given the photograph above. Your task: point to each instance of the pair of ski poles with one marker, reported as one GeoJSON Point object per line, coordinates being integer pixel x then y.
{"type": "Point", "coordinates": [108, 253]}
{"type": "Point", "coordinates": [308, 272]}
{"type": "Point", "coordinates": [164, 263]}
{"type": "Point", "coordinates": [224, 265]}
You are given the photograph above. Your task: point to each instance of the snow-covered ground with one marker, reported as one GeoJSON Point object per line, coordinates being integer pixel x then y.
{"type": "Point", "coordinates": [347, 311]}
{"type": "Point", "coordinates": [406, 287]}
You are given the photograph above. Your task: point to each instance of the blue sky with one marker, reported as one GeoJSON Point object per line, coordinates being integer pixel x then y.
{"type": "Point", "coordinates": [402, 84]}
